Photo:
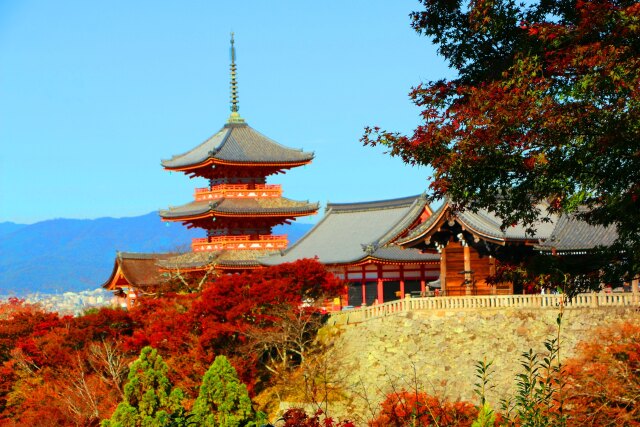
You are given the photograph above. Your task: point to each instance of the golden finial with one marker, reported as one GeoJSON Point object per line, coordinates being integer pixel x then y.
{"type": "Point", "coordinates": [234, 117]}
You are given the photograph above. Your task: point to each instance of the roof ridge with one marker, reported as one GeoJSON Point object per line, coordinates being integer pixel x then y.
{"type": "Point", "coordinates": [404, 222]}
{"type": "Point", "coordinates": [421, 229]}
{"type": "Point", "coordinates": [374, 204]}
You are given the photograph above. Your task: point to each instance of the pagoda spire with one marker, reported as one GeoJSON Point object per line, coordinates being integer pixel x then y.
{"type": "Point", "coordinates": [235, 116]}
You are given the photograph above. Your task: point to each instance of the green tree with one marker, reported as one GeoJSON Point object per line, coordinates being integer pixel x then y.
{"type": "Point", "coordinates": [149, 399]}
{"type": "Point", "coordinates": [223, 400]}
{"type": "Point", "coordinates": [542, 117]}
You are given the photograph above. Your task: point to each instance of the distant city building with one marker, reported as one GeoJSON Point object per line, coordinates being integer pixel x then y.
{"type": "Point", "coordinates": [70, 303]}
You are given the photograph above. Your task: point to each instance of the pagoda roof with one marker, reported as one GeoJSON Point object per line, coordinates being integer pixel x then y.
{"type": "Point", "coordinates": [138, 270]}
{"type": "Point", "coordinates": [561, 232]}
{"type": "Point", "coordinates": [279, 206]}
{"type": "Point", "coordinates": [238, 144]}
{"type": "Point", "coordinates": [226, 259]}
{"type": "Point", "coordinates": [352, 233]}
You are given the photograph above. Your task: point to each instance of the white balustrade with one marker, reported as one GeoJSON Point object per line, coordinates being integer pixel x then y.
{"type": "Point", "coordinates": [548, 301]}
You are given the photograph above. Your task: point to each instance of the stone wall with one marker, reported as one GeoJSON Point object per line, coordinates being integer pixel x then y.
{"type": "Point", "coordinates": [435, 351]}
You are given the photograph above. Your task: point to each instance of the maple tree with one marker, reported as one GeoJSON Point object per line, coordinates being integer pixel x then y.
{"type": "Point", "coordinates": [544, 108]}
{"type": "Point", "coordinates": [238, 314]}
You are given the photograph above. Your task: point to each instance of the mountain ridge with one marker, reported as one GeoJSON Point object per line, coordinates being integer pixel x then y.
{"type": "Point", "coordinates": [71, 255]}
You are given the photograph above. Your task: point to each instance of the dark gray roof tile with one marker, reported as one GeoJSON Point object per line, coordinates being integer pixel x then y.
{"type": "Point", "coordinates": [238, 143]}
{"type": "Point", "coordinates": [351, 232]}
{"type": "Point", "coordinates": [253, 206]}
{"type": "Point", "coordinates": [574, 234]}
{"type": "Point", "coordinates": [226, 258]}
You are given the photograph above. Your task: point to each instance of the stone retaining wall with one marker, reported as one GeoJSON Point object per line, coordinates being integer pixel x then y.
{"type": "Point", "coordinates": [435, 350]}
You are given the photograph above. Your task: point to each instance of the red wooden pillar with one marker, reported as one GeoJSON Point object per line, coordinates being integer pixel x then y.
{"type": "Point", "coordinates": [423, 284]}
{"type": "Point", "coordinates": [364, 281]}
{"type": "Point", "coordinates": [380, 285]}
{"type": "Point", "coordinates": [401, 281]}
{"type": "Point", "coordinates": [346, 279]}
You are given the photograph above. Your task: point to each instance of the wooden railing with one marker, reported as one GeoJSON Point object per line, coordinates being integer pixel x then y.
{"type": "Point", "coordinates": [219, 243]}
{"type": "Point", "coordinates": [484, 302]}
{"type": "Point", "coordinates": [238, 191]}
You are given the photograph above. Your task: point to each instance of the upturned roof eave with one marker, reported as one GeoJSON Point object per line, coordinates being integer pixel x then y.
{"type": "Point", "coordinates": [205, 209]}
{"type": "Point", "coordinates": [382, 260]}
{"type": "Point", "coordinates": [443, 216]}
{"type": "Point", "coordinates": [436, 221]}
{"type": "Point", "coordinates": [216, 161]}
{"type": "Point", "coordinates": [110, 283]}
{"type": "Point", "coordinates": [214, 213]}
{"type": "Point", "coordinates": [405, 223]}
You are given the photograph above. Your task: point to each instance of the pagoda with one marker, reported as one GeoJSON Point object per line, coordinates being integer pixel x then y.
{"type": "Point", "coordinates": [238, 209]}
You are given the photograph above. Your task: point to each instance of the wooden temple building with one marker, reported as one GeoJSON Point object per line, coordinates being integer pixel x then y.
{"type": "Point", "coordinates": [384, 249]}
{"type": "Point", "coordinates": [355, 241]}
{"type": "Point", "coordinates": [472, 244]}
{"type": "Point", "coordinates": [135, 274]}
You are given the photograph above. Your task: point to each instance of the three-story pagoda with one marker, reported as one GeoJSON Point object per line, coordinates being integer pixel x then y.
{"type": "Point", "coordinates": [238, 209]}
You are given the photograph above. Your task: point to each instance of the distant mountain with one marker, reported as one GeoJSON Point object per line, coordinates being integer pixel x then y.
{"type": "Point", "coordinates": [9, 227]}
{"type": "Point", "coordinates": [63, 255]}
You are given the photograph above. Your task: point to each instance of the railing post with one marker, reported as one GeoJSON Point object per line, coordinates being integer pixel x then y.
{"type": "Point", "coordinates": [594, 300]}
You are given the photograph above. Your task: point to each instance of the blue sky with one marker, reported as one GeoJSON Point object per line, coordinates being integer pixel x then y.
{"type": "Point", "coordinates": [94, 94]}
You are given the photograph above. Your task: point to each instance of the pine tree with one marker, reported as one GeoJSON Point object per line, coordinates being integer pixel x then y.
{"type": "Point", "coordinates": [149, 400]}
{"type": "Point", "coordinates": [223, 400]}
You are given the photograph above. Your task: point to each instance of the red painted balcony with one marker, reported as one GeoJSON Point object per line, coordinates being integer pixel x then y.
{"type": "Point", "coordinates": [238, 191]}
{"type": "Point", "coordinates": [218, 243]}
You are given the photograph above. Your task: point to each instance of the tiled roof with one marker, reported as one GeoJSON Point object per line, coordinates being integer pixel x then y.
{"type": "Point", "coordinates": [254, 206]}
{"type": "Point", "coordinates": [139, 269]}
{"type": "Point", "coordinates": [482, 223]}
{"type": "Point", "coordinates": [562, 233]}
{"type": "Point", "coordinates": [352, 232]}
{"type": "Point", "coordinates": [238, 143]}
{"type": "Point", "coordinates": [573, 234]}
{"type": "Point", "coordinates": [226, 258]}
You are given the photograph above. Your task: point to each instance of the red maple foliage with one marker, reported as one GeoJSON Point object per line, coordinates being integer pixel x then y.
{"type": "Point", "coordinates": [541, 117]}
{"type": "Point", "coordinates": [296, 417]}
{"type": "Point", "coordinates": [70, 370]}
{"type": "Point", "coordinates": [421, 409]}
{"type": "Point", "coordinates": [603, 380]}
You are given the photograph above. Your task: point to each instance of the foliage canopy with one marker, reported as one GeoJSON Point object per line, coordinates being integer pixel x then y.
{"type": "Point", "coordinates": [544, 111]}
